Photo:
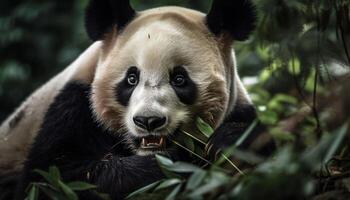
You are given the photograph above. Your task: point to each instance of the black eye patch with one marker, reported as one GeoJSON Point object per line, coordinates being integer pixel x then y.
{"type": "Point", "coordinates": [124, 89]}
{"type": "Point", "coordinates": [187, 90]}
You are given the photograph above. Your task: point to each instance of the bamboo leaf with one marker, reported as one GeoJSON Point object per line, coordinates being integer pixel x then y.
{"type": "Point", "coordinates": [168, 183]}
{"type": "Point", "coordinates": [165, 164]}
{"type": "Point", "coordinates": [173, 193]}
{"type": "Point", "coordinates": [143, 189]}
{"type": "Point", "coordinates": [48, 177]}
{"type": "Point", "coordinates": [68, 191]}
{"type": "Point", "coordinates": [33, 193]}
{"type": "Point", "coordinates": [214, 182]}
{"type": "Point", "coordinates": [205, 128]}
{"type": "Point", "coordinates": [188, 142]}
{"type": "Point", "coordinates": [55, 173]}
{"type": "Point", "coordinates": [195, 179]}
{"type": "Point", "coordinates": [53, 194]}
{"type": "Point", "coordinates": [164, 161]}
{"type": "Point", "coordinates": [182, 167]}
{"type": "Point", "coordinates": [246, 133]}
{"type": "Point", "coordinates": [80, 186]}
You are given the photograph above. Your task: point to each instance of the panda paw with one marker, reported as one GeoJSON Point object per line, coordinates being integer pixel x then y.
{"type": "Point", "coordinates": [223, 137]}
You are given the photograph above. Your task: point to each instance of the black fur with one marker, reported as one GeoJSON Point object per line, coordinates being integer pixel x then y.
{"type": "Point", "coordinates": [243, 113]}
{"type": "Point", "coordinates": [232, 129]}
{"type": "Point", "coordinates": [71, 140]}
{"type": "Point", "coordinates": [103, 15]}
{"type": "Point", "coordinates": [8, 183]}
{"type": "Point", "coordinates": [188, 92]}
{"type": "Point", "coordinates": [237, 17]}
{"type": "Point", "coordinates": [124, 89]}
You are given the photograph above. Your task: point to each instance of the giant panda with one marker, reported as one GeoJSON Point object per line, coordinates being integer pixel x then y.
{"type": "Point", "coordinates": [148, 75]}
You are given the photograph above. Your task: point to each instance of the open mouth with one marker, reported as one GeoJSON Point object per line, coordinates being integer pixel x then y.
{"type": "Point", "coordinates": [153, 143]}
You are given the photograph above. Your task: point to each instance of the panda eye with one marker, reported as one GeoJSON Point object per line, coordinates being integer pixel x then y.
{"type": "Point", "coordinates": [179, 80]}
{"type": "Point", "coordinates": [132, 79]}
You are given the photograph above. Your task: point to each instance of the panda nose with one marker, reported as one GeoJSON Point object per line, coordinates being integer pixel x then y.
{"type": "Point", "coordinates": [149, 123]}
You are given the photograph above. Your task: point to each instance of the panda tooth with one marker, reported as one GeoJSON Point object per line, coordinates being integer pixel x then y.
{"type": "Point", "coordinates": [161, 142]}
{"type": "Point", "coordinates": [143, 143]}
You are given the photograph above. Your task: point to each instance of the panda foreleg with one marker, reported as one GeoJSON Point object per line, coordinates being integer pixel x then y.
{"type": "Point", "coordinates": [116, 176]}
{"type": "Point", "coordinates": [227, 134]}
{"type": "Point", "coordinates": [122, 175]}
{"type": "Point", "coordinates": [71, 140]}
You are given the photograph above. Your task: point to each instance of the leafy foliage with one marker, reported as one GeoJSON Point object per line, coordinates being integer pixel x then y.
{"type": "Point", "coordinates": [55, 188]}
{"type": "Point", "coordinates": [286, 171]}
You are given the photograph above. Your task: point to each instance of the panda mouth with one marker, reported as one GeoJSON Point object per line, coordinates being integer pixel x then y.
{"type": "Point", "coordinates": [153, 142]}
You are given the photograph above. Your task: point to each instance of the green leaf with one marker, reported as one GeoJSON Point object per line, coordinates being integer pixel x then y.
{"type": "Point", "coordinates": [33, 193]}
{"type": "Point", "coordinates": [249, 157]}
{"type": "Point", "coordinates": [294, 66]}
{"type": "Point", "coordinates": [53, 194]}
{"type": "Point", "coordinates": [268, 117]}
{"type": "Point", "coordinates": [246, 133]}
{"type": "Point", "coordinates": [48, 177]}
{"type": "Point", "coordinates": [168, 183]}
{"type": "Point", "coordinates": [205, 128]}
{"type": "Point", "coordinates": [339, 136]}
{"type": "Point", "coordinates": [144, 189]}
{"type": "Point", "coordinates": [173, 193]}
{"type": "Point", "coordinates": [70, 194]}
{"type": "Point", "coordinates": [232, 164]}
{"type": "Point", "coordinates": [215, 180]}
{"type": "Point", "coordinates": [195, 179]}
{"type": "Point", "coordinates": [182, 167]}
{"type": "Point", "coordinates": [164, 161]}
{"type": "Point", "coordinates": [55, 173]}
{"type": "Point", "coordinates": [165, 164]}
{"type": "Point", "coordinates": [209, 187]}
{"type": "Point", "coordinates": [80, 186]}
{"type": "Point", "coordinates": [188, 142]}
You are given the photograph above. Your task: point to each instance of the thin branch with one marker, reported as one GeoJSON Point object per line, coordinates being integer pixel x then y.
{"type": "Point", "coordinates": [314, 96]}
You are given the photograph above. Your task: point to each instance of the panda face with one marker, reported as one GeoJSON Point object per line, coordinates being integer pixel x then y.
{"type": "Point", "coordinates": [154, 80]}
{"type": "Point", "coordinates": [157, 103]}
{"type": "Point", "coordinates": [156, 100]}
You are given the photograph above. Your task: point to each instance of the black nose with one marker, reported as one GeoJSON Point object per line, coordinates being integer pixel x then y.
{"type": "Point", "coordinates": [149, 123]}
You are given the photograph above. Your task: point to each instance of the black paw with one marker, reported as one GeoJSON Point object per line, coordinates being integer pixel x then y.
{"type": "Point", "coordinates": [225, 136]}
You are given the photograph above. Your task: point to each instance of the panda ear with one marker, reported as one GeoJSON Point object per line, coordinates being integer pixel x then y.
{"type": "Point", "coordinates": [103, 15]}
{"type": "Point", "coordinates": [237, 17]}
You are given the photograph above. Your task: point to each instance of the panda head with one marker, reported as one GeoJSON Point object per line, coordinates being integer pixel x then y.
{"type": "Point", "coordinates": [161, 68]}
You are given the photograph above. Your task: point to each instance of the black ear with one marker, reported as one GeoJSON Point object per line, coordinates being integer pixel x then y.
{"type": "Point", "coordinates": [102, 15]}
{"type": "Point", "coordinates": [237, 17]}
